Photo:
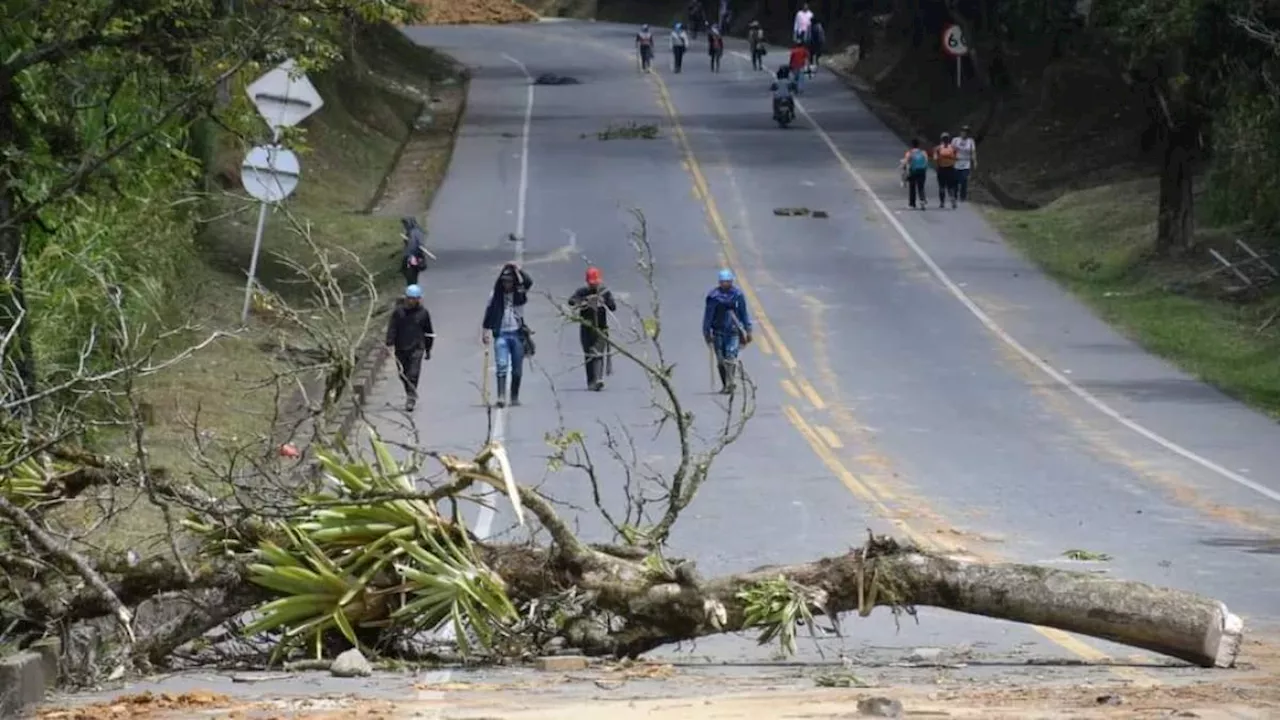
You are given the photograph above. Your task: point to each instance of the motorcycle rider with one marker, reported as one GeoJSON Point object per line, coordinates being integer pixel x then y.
{"type": "Point", "coordinates": [594, 302]}
{"type": "Point", "coordinates": [726, 326]}
{"type": "Point", "coordinates": [783, 88]}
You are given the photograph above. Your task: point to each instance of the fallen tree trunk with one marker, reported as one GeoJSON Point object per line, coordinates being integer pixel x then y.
{"type": "Point", "coordinates": [631, 611]}
{"type": "Point", "coordinates": [1171, 622]}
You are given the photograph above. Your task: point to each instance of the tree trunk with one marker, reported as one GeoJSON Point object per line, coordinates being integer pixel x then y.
{"type": "Point", "coordinates": [1175, 229]}
{"type": "Point", "coordinates": [1179, 624]}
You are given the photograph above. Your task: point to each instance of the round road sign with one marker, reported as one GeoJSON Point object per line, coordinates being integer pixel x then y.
{"type": "Point", "coordinates": [953, 42]}
{"type": "Point", "coordinates": [270, 173]}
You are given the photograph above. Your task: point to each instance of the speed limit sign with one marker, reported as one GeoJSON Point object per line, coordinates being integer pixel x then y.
{"type": "Point", "coordinates": [953, 42]}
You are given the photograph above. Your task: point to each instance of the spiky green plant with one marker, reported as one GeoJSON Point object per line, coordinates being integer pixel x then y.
{"type": "Point", "coordinates": [363, 548]}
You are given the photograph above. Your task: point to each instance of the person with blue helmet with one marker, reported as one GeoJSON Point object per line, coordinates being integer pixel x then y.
{"type": "Point", "coordinates": [411, 338]}
{"type": "Point", "coordinates": [679, 46]}
{"type": "Point", "coordinates": [726, 325]}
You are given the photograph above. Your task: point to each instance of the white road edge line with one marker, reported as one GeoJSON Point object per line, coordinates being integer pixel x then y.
{"type": "Point", "coordinates": [1008, 339]}
{"type": "Point", "coordinates": [524, 159]}
{"type": "Point", "coordinates": [484, 519]}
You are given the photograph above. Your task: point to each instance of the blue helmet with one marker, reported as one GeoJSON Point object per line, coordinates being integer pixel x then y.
{"type": "Point", "coordinates": [413, 291]}
{"type": "Point", "coordinates": [726, 275]}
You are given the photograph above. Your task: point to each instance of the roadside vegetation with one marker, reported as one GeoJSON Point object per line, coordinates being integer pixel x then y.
{"type": "Point", "coordinates": [144, 496]}
{"type": "Point", "coordinates": [1118, 150]}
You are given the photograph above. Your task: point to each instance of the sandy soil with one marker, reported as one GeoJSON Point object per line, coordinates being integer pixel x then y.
{"type": "Point", "coordinates": [491, 12]}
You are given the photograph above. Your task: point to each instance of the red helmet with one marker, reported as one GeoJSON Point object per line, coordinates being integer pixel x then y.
{"type": "Point", "coordinates": [593, 276]}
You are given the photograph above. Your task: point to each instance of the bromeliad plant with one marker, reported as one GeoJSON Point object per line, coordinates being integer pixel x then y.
{"type": "Point", "coordinates": [370, 555]}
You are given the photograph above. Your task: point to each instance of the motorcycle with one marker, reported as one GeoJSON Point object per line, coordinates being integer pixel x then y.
{"type": "Point", "coordinates": [784, 112]}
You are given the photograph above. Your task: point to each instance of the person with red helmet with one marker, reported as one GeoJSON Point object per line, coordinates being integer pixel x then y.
{"type": "Point", "coordinates": [594, 302]}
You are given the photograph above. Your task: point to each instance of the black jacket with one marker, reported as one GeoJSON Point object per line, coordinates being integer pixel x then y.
{"type": "Point", "coordinates": [596, 316]}
{"type": "Point", "coordinates": [493, 311]}
{"type": "Point", "coordinates": [414, 240]}
{"type": "Point", "coordinates": [409, 330]}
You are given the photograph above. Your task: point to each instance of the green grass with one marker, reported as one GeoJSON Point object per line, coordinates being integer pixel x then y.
{"type": "Point", "coordinates": [351, 144]}
{"type": "Point", "coordinates": [1096, 243]}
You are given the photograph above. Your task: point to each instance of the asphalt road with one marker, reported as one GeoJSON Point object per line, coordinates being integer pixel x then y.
{"type": "Point", "coordinates": [915, 375]}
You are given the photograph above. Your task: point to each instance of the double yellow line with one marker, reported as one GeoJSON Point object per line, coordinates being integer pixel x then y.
{"type": "Point", "coordinates": [820, 439]}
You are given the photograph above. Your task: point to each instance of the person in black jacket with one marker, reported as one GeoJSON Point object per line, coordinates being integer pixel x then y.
{"type": "Point", "coordinates": [594, 303]}
{"type": "Point", "coordinates": [410, 336]}
{"type": "Point", "coordinates": [504, 323]}
{"type": "Point", "coordinates": [414, 259]}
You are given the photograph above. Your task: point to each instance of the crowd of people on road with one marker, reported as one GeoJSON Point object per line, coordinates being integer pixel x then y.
{"type": "Point", "coordinates": [952, 160]}
{"type": "Point", "coordinates": [726, 328]}
{"type": "Point", "coordinates": [726, 321]}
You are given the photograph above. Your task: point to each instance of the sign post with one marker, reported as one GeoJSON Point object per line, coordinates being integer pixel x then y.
{"type": "Point", "coordinates": [954, 45]}
{"type": "Point", "coordinates": [270, 173]}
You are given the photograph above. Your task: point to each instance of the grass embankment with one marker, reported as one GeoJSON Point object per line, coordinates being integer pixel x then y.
{"type": "Point", "coordinates": [371, 102]}
{"type": "Point", "coordinates": [1066, 151]}
{"type": "Point", "coordinates": [1096, 242]}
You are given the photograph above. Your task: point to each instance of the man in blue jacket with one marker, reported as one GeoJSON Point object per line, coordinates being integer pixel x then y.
{"type": "Point", "coordinates": [726, 325]}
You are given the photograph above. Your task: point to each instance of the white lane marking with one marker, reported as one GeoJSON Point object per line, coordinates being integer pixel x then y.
{"type": "Point", "coordinates": [524, 159]}
{"type": "Point", "coordinates": [1009, 340]}
{"type": "Point", "coordinates": [484, 519]}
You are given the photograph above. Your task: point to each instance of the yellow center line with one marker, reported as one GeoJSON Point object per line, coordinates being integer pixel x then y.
{"type": "Point", "coordinates": [859, 488]}
{"type": "Point", "coordinates": [829, 436]}
{"type": "Point", "coordinates": [821, 448]}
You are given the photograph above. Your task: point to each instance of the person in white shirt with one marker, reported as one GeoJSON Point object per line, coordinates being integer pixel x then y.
{"type": "Point", "coordinates": [804, 18]}
{"type": "Point", "coordinates": [679, 45]}
{"type": "Point", "coordinates": [966, 161]}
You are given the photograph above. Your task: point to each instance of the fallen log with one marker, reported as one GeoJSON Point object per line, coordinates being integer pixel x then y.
{"type": "Point", "coordinates": [1179, 624]}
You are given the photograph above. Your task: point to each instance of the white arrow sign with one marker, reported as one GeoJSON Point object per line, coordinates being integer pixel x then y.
{"type": "Point", "coordinates": [284, 97]}
{"type": "Point", "coordinates": [270, 173]}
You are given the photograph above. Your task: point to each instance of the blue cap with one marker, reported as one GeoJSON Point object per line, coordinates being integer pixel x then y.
{"type": "Point", "coordinates": [726, 275]}
{"type": "Point", "coordinates": [413, 291]}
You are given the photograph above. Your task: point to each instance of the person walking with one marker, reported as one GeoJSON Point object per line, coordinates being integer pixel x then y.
{"type": "Point", "coordinates": [803, 20]}
{"type": "Point", "coordinates": [755, 40]}
{"type": "Point", "coordinates": [817, 40]}
{"type": "Point", "coordinates": [944, 163]}
{"type": "Point", "coordinates": [966, 161]}
{"type": "Point", "coordinates": [696, 16]}
{"type": "Point", "coordinates": [594, 302]}
{"type": "Point", "coordinates": [715, 47]}
{"type": "Point", "coordinates": [726, 327]}
{"type": "Point", "coordinates": [799, 60]}
{"type": "Point", "coordinates": [414, 260]}
{"type": "Point", "coordinates": [504, 324]}
{"type": "Point", "coordinates": [915, 169]}
{"type": "Point", "coordinates": [644, 46]}
{"type": "Point", "coordinates": [679, 45]}
{"type": "Point", "coordinates": [411, 338]}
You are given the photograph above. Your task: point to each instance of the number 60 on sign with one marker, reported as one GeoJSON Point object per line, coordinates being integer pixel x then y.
{"type": "Point", "coordinates": [953, 41]}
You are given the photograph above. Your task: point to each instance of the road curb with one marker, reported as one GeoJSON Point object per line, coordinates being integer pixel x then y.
{"type": "Point", "coordinates": [375, 352]}
{"type": "Point", "coordinates": [26, 677]}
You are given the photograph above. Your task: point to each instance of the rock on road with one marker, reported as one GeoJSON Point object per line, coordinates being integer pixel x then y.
{"type": "Point", "coordinates": [884, 400]}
